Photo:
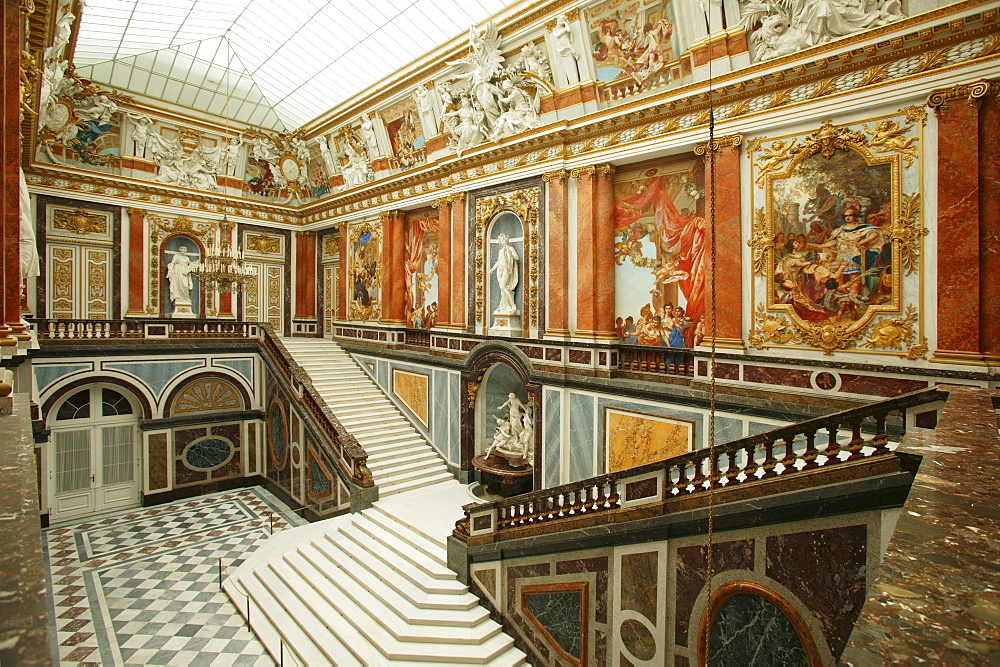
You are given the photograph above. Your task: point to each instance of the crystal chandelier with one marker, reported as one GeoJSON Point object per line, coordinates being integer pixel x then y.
{"type": "Point", "coordinates": [222, 269]}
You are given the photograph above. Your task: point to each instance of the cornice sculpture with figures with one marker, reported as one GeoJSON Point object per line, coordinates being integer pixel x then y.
{"type": "Point", "coordinates": [832, 283]}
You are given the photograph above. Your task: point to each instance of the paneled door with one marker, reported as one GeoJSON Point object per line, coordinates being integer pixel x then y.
{"type": "Point", "coordinates": [93, 462]}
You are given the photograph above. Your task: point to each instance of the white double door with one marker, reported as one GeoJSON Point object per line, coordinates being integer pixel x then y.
{"type": "Point", "coordinates": [93, 468]}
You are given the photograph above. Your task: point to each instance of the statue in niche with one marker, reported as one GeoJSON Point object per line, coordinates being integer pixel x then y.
{"type": "Point", "coordinates": [506, 269]}
{"type": "Point", "coordinates": [140, 133]}
{"type": "Point", "coordinates": [368, 133]}
{"type": "Point", "coordinates": [562, 33]}
{"type": "Point", "coordinates": [514, 436]}
{"type": "Point", "coordinates": [179, 278]}
{"type": "Point", "coordinates": [329, 157]}
{"type": "Point", "coordinates": [425, 109]}
{"type": "Point", "coordinates": [231, 155]}
{"type": "Point", "coordinates": [780, 27]}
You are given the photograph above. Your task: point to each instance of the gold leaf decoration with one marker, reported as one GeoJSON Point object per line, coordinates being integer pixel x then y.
{"type": "Point", "coordinates": [887, 137]}
{"type": "Point", "coordinates": [263, 243]}
{"type": "Point", "coordinates": [907, 232]}
{"type": "Point", "coordinates": [773, 159]}
{"type": "Point", "coordinates": [761, 242]}
{"type": "Point", "coordinates": [932, 60]}
{"type": "Point", "coordinates": [916, 114]}
{"type": "Point", "coordinates": [874, 75]}
{"type": "Point", "coordinates": [895, 333]}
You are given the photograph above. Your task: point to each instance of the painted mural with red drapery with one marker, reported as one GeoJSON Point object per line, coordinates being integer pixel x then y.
{"type": "Point", "coordinates": [660, 256]}
{"type": "Point", "coordinates": [420, 278]}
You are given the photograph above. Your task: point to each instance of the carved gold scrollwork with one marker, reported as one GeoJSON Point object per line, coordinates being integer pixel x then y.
{"type": "Point", "coordinates": [971, 92]}
{"type": "Point", "coordinates": [897, 333]}
{"type": "Point", "coordinates": [771, 329]}
{"type": "Point", "coordinates": [362, 474]}
{"type": "Point", "coordinates": [79, 221]}
{"type": "Point", "coordinates": [264, 243]}
{"type": "Point", "coordinates": [733, 141]}
{"type": "Point", "coordinates": [773, 159]}
{"type": "Point", "coordinates": [762, 241]}
{"type": "Point", "coordinates": [887, 136]}
{"type": "Point", "coordinates": [907, 233]}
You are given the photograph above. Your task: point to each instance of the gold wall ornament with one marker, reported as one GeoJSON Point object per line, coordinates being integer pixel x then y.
{"type": "Point", "coordinates": [207, 395]}
{"type": "Point", "coordinates": [733, 141]}
{"type": "Point", "coordinates": [829, 282]}
{"type": "Point", "coordinates": [915, 114]}
{"type": "Point", "coordinates": [972, 93]}
{"type": "Point", "coordinates": [887, 136]}
{"type": "Point", "coordinates": [893, 332]}
{"type": "Point", "coordinates": [906, 232]}
{"type": "Point", "coordinates": [577, 172]}
{"type": "Point", "coordinates": [762, 242]}
{"type": "Point", "coordinates": [264, 244]}
{"type": "Point", "coordinates": [524, 204]}
{"type": "Point", "coordinates": [79, 221]}
{"type": "Point", "coordinates": [331, 245]}
{"type": "Point", "coordinates": [557, 175]}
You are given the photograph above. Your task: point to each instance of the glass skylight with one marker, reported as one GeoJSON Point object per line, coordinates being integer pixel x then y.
{"type": "Point", "coordinates": [279, 64]}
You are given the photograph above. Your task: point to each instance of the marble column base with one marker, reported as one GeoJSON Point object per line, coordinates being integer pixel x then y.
{"type": "Point", "coordinates": [183, 310]}
{"type": "Point", "coordinates": [506, 324]}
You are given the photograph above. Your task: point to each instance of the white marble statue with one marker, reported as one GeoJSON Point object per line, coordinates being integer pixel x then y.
{"type": "Point", "coordinates": [369, 135]}
{"type": "Point", "coordinates": [28, 247]}
{"type": "Point", "coordinates": [569, 65]}
{"type": "Point", "coordinates": [467, 130]}
{"type": "Point", "coordinates": [179, 276]}
{"type": "Point", "coordinates": [141, 124]}
{"type": "Point", "coordinates": [263, 148]}
{"type": "Point", "coordinates": [507, 275]}
{"type": "Point", "coordinates": [329, 157]}
{"type": "Point", "coordinates": [480, 67]}
{"type": "Point", "coordinates": [64, 29]}
{"type": "Point", "coordinates": [533, 60]}
{"type": "Point", "coordinates": [356, 171]}
{"type": "Point", "coordinates": [230, 157]}
{"type": "Point", "coordinates": [425, 110]}
{"type": "Point", "coordinates": [781, 27]}
{"type": "Point", "coordinates": [520, 112]}
{"type": "Point", "coordinates": [514, 436]}
{"type": "Point", "coordinates": [99, 108]}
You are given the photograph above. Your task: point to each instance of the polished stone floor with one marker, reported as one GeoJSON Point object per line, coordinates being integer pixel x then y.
{"type": "Point", "coordinates": [141, 587]}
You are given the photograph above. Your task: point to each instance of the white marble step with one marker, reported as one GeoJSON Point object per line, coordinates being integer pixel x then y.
{"type": "Point", "coordinates": [361, 419]}
{"type": "Point", "coordinates": [406, 475]}
{"type": "Point", "coordinates": [391, 465]}
{"type": "Point", "coordinates": [410, 537]}
{"type": "Point", "coordinates": [423, 591]}
{"type": "Point", "coordinates": [392, 614]}
{"type": "Point", "coordinates": [390, 454]}
{"type": "Point", "coordinates": [377, 440]}
{"type": "Point", "coordinates": [386, 490]}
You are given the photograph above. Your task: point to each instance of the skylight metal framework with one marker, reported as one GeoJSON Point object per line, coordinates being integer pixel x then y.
{"type": "Point", "coordinates": [284, 63]}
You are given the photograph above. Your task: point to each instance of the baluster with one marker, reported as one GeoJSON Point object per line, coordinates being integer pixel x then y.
{"type": "Point", "coordinates": [584, 500]}
{"type": "Point", "coordinates": [809, 456]}
{"type": "Point", "coordinates": [789, 461]}
{"type": "Point", "coordinates": [614, 498]}
{"type": "Point", "coordinates": [699, 473]}
{"type": "Point", "coordinates": [732, 469]}
{"type": "Point", "coordinates": [902, 429]}
{"type": "Point", "coordinates": [769, 460]}
{"type": "Point", "coordinates": [603, 494]}
{"type": "Point", "coordinates": [562, 505]}
{"type": "Point", "coordinates": [881, 440]}
{"type": "Point", "coordinates": [857, 442]}
{"type": "Point", "coordinates": [832, 444]}
{"type": "Point", "coordinates": [661, 361]}
{"type": "Point", "coordinates": [551, 501]}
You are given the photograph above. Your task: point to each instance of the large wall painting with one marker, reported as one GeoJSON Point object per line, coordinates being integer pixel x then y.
{"type": "Point", "coordinates": [421, 272]}
{"type": "Point", "coordinates": [631, 38]}
{"type": "Point", "coordinates": [366, 270]}
{"type": "Point", "coordinates": [660, 255]}
{"type": "Point", "coordinates": [837, 237]}
{"type": "Point", "coordinates": [634, 439]}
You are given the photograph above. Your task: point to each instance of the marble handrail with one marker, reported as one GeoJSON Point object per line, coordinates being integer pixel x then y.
{"type": "Point", "coordinates": [745, 461]}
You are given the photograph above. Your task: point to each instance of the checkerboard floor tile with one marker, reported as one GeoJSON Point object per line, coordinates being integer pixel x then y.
{"type": "Point", "coordinates": [141, 587]}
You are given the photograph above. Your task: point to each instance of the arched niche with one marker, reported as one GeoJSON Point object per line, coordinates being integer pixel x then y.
{"type": "Point", "coordinates": [492, 372]}
{"type": "Point", "coordinates": [506, 255]}
{"type": "Point", "coordinates": [178, 253]}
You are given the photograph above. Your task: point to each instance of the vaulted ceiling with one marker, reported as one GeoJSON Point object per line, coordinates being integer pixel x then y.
{"type": "Point", "coordinates": [265, 63]}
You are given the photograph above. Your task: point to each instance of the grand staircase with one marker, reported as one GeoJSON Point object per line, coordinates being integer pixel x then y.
{"type": "Point", "coordinates": [370, 588]}
{"type": "Point", "coordinates": [398, 456]}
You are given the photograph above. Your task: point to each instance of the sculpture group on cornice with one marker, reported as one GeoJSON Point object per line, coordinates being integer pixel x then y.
{"type": "Point", "coordinates": [782, 27]}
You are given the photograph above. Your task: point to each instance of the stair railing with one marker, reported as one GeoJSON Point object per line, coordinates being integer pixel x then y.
{"type": "Point", "coordinates": [793, 450]}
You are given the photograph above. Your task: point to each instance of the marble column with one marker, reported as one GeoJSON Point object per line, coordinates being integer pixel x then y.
{"type": "Point", "coordinates": [961, 279]}
{"type": "Point", "coordinates": [458, 255]}
{"type": "Point", "coordinates": [136, 262]}
{"type": "Point", "coordinates": [305, 275]}
{"type": "Point", "coordinates": [557, 220]}
{"type": "Point", "coordinates": [585, 321]}
{"type": "Point", "coordinates": [989, 222]}
{"type": "Point", "coordinates": [604, 253]}
{"type": "Point", "coordinates": [345, 287]}
{"type": "Point", "coordinates": [10, 251]}
{"type": "Point", "coordinates": [393, 266]}
{"type": "Point", "coordinates": [444, 207]}
{"type": "Point", "coordinates": [725, 324]}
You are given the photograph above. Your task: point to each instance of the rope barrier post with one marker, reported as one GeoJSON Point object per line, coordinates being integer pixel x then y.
{"type": "Point", "coordinates": [270, 518]}
{"type": "Point", "coordinates": [281, 655]}
{"type": "Point", "coordinates": [220, 572]}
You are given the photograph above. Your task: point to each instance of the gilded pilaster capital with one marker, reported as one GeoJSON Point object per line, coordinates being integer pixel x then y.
{"type": "Point", "coordinates": [577, 172]}
{"type": "Point", "coordinates": [972, 93]}
{"type": "Point", "coordinates": [557, 175]}
{"type": "Point", "coordinates": [733, 141]}
{"type": "Point", "coordinates": [137, 211]}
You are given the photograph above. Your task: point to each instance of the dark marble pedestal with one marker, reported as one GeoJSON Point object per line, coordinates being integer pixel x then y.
{"type": "Point", "coordinates": [499, 477]}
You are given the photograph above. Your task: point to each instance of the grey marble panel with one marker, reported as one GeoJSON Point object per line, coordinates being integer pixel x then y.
{"type": "Point", "coordinates": [46, 374]}
{"type": "Point", "coordinates": [438, 413]}
{"type": "Point", "coordinates": [756, 427]}
{"type": "Point", "coordinates": [242, 366]}
{"type": "Point", "coordinates": [561, 616]}
{"type": "Point", "coordinates": [582, 440]}
{"type": "Point", "coordinates": [156, 374]}
{"type": "Point", "coordinates": [455, 418]}
{"type": "Point", "coordinates": [749, 630]}
{"type": "Point", "coordinates": [726, 430]}
{"type": "Point", "coordinates": [382, 375]}
{"type": "Point", "coordinates": [552, 440]}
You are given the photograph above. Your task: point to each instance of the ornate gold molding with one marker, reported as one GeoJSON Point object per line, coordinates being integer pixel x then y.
{"type": "Point", "coordinates": [557, 175]}
{"type": "Point", "coordinates": [79, 221]}
{"type": "Point", "coordinates": [577, 172]}
{"type": "Point", "coordinates": [524, 204]}
{"type": "Point", "coordinates": [137, 211]}
{"type": "Point", "coordinates": [972, 93]}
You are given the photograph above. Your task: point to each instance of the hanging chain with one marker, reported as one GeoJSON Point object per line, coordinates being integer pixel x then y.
{"type": "Point", "coordinates": [713, 474]}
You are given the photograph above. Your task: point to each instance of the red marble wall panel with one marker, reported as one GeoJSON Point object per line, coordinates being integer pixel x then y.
{"type": "Point", "coordinates": [305, 275]}
{"type": "Point", "coordinates": [10, 306]}
{"type": "Point", "coordinates": [598, 565]}
{"type": "Point", "coordinates": [585, 316]}
{"type": "Point", "coordinates": [157, 461]}
{"type": "Point", "coordinates": [691, 571]}
{"type": "Point", "coordinates": [958, 227]}
{"type": "Point", "coordinates": [136, 261]}
{"type": "Point", "coordinates": [989, 224]}
{"type": "Point", "coordinates": [878, 386]}
{"type": "Point", "coordinates": [444, 263]}
{"type": "Point", "coordinates": [834, 592]}
{"type": "Point", "coordinates": [785, 377]}
{"type": "Point", "coordinates": [557, 219]}
{"type": "Point", "coordinates": [723, 371]}
{"type": "Point", "coordinates": [603, 248]}
{"type": "Point", "coordinates": [458, 255]}
{"type": "Point", "coordinates": [727, 233]}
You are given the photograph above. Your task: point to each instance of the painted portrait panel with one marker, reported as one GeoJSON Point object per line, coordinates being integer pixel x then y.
{"type": "Point", "coordinates": [634, 439]}
{"type": "Point", "coordinates": [659, 256]}
{"type": "Point", "coordinates": [365, 267]}
{"type": "Point", "coordinates": [421, 272]}
{"type": "Point", "coordinates": [405, 133]}
{"type": "Point", "coordinates": [833, 259]}
{"type": "Point", "coordinates": [630, 38]}
{"type": "Point", "coordinates": [837, 241]}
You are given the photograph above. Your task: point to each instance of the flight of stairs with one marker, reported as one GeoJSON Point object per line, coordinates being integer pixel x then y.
{"type": "Point", "coordinates": [398, 456]}
{"type": "Point", "coordinates": [370, 588]}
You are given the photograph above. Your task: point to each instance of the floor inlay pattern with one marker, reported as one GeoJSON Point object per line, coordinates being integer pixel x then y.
{"type": "Point", "coordinates": [141, 587]}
